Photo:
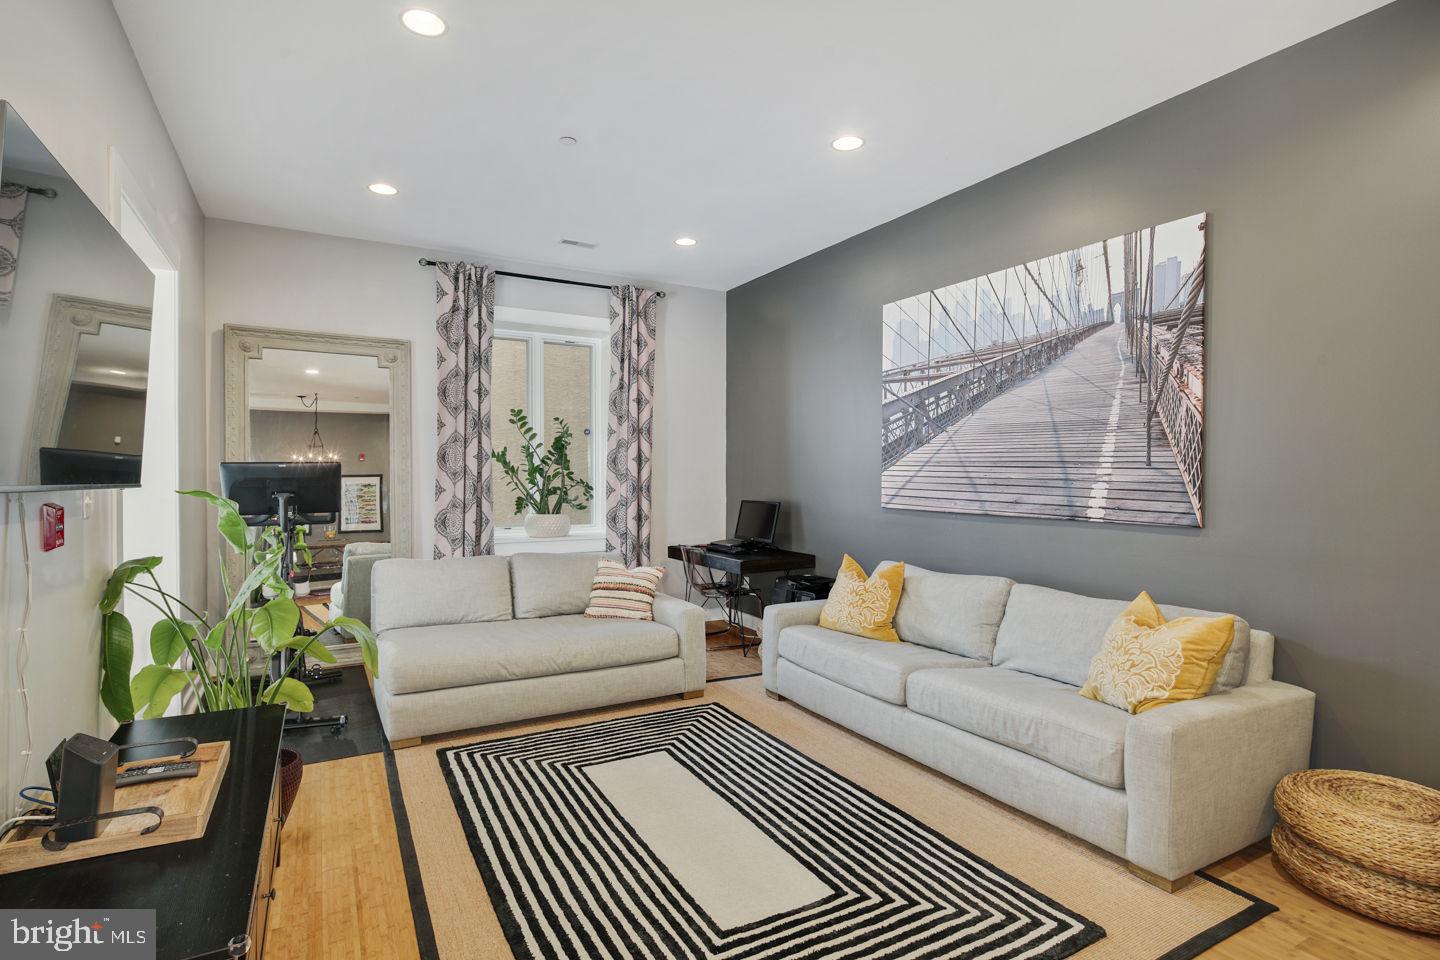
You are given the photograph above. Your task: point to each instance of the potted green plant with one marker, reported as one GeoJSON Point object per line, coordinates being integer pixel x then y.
{"type": "Point", "coordinates": [271, 540]}
{"type": "Point", "coordinates": [211, 656]}
{"type": "Point", "coordinates": [547, 484]}
{"type": "Point", "coordinates": [302, 562]}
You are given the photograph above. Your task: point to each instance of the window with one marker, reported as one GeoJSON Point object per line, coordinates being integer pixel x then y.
{"type": "Point", "coordinates": [548, 376]}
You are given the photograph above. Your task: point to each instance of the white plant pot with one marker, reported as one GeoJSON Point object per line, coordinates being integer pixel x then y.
{"type": "Point", "coordinates": [302, 588]}
{"type": "Point", "coordinates": [547, 525]}
{"type": "Point", "coordinates": [268, 592]}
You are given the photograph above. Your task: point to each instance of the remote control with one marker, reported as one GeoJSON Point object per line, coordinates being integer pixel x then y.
{"type": "Point", "coordinates": [157, 771]}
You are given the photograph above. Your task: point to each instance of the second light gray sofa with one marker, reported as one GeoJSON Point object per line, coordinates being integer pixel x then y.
{"type": "Point", "coordinates": [475, 641]}
{"type": "Point", "coordinates": [984, 687]}
{"type": "Point", "coordinates": [350, 596]}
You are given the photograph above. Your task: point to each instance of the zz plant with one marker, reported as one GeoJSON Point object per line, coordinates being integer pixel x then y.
{"type": "Point", "coordinates": [218, 668]}
{"type": "Point", "coordinates": [547, 484]}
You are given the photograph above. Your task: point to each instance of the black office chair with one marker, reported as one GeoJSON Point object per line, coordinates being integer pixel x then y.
{"type": "Point", "coordinates": [727, 593]}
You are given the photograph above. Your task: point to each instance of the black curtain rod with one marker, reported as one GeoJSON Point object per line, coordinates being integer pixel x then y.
{"type": "Point", "coordinates": [532, 276]}
{"type": "Point", "coordinates": [45, 192]}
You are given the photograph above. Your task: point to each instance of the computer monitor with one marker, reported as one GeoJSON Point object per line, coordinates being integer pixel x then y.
{"type": "Point", "coordinates": [756, 520]}
{"type": "Point", "coordinates": [314, 488]}
{"type": "Point", "coordinates": [88, 468]}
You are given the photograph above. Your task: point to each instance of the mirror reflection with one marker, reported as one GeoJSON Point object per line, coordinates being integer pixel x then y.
{"type": "Point", "coordinates": [75, 306]}
{"type": "Point", "coordinates": [308, 405]}
{"type": "Point", "coordinates": [105, 408]}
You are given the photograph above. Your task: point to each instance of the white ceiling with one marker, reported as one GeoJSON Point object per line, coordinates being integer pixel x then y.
{"type": "Point", "coordinates": [115, 356]}
{"type": "Point", "coordinates": [346, 384]}
{"type": "Point", "coordinates": [711, 120]}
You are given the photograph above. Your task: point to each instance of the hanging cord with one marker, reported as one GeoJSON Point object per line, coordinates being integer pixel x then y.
{"type": "Point", "coordinates": [28, 793]}
{"type": "Point", "coordinates": [22, 652]}
{"type": "Point", "coordinates": [14, 822]}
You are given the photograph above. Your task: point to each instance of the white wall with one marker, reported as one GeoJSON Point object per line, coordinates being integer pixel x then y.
{"type": "Point", "coordinates": [68, 69]}
{"type": "Point", "coordinates": [304, 281]}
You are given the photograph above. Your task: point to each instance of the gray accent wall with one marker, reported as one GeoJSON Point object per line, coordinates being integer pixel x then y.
{"type": "Point", "coordinates": [1320, 169]}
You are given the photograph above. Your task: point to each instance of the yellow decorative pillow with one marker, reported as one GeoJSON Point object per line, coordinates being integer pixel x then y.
{"type": "Point", "coordinates": [1147, 661]}
{"type": "Point", "coordinates": [864, 607]}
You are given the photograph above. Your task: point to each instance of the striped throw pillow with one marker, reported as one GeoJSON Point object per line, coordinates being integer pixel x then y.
{"type": "Point", "coordinates": [620, 594]}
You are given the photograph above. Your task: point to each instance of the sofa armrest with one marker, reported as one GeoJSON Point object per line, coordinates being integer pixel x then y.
{"type": "Point", "coordinates": [1200, 774]}
{"type": "Point", "coordinates": [688, 621]}
{"type": "Point", "coordinates": [355, 572]}
{"type": "Point", "coordinates": [777, 617]}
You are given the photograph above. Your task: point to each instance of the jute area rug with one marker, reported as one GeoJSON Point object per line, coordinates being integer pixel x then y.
{"type": "Point", "coordinates": [728, 876]}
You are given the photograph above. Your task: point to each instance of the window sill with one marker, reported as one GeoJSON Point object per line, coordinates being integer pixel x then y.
{"type": "Point", "coordinates": [576, 541]}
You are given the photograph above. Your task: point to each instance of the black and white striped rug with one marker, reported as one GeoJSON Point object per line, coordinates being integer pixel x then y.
{"type": "Point", "coordinates": [692, 833]}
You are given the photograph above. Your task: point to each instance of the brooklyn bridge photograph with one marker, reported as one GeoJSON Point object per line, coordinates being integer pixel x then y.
{"type": "Point", "coordinates": [1071, 387]}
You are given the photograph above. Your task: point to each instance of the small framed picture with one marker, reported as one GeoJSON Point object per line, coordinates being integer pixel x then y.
{"type": "Point", "coordinates": [360, 499]}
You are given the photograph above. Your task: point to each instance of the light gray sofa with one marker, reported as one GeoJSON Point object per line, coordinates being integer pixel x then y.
{"type": "Point", "coordinates": [984, 687]}
{"type": "Point", "coordinates": [350, 596]}
{"type": "Point", "coordinates": [476, 641]}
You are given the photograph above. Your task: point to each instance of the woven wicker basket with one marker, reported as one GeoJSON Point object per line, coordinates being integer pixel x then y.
{"type": "Point", "coordinates": [1392, 900]}
{"type": "Point", "coordinates": [1387, 825]}
{"type": "Point", "coordinates": [292, 771]}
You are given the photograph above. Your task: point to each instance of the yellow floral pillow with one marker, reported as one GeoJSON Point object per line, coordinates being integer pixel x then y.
{"type": "Point", "coordinates": [1147, 661]}
{"type": "Point", "coordinates": [864, 606]}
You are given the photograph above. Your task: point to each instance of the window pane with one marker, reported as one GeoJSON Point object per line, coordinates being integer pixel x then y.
{"type": "Point", "coordinates": [509, 390]}
{"type": "Point", "coordinates": [568, 395]}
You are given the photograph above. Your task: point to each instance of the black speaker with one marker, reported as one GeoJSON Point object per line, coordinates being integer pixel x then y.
{"type": "Point", "coordinates": [82, 780]}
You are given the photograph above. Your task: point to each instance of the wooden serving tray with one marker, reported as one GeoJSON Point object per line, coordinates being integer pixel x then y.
{"type": "Point", "coordinates": [187, 803]}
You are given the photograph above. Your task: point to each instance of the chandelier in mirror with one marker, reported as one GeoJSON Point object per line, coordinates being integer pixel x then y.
{"type": "Point", "coordinates": [315, 449]}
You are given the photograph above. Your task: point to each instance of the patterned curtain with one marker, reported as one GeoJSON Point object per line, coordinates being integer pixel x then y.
{"type": "Point", "coordinates": [12, 222]}
{"type": "Point", "coordinates": [632, 393]}
{"type": "Point", "coordinates": [465, 328]}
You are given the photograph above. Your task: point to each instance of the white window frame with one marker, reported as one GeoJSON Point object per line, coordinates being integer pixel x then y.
{"type": "Point", "coordinates": [535, 405]}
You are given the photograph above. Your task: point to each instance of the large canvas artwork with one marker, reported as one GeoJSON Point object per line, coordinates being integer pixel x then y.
{"type": "Point", "coordinates": [1071, 387]}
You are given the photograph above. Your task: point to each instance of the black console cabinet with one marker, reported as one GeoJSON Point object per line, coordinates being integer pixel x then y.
{"type": "Point", "coordinates": [211, 896]}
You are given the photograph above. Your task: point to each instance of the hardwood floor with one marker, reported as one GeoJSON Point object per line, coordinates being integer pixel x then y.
{"type": "Point", "coordinates": [341, 888]}
{"type": "Point", "coordinates": [1307, 927]}
{"type": "Point", "coordinates": [725, 656]}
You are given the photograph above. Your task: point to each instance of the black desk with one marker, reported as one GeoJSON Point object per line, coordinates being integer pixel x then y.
{"type": "Point", "coordinates": [771, 560]}
{"type": "Point", "coordinates": [203, 892]}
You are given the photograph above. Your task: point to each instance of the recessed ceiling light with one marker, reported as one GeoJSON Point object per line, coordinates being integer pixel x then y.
{"type": "Point", "coordinates": [568, 141]}
{"type": "Point", "coordinates": [383, 189]}
{"type": "Point", "coordinates": [685, 241]}
{"type": "Point", "coordinates": [423, 22]}
{"type": "Point", "coordinates": [847, 142]}
{"type": "Point", "coordinates": [311, 371]}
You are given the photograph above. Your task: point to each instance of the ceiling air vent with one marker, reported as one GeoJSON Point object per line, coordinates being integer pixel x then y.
{"type": "Point", "coordinates": [582, 244]}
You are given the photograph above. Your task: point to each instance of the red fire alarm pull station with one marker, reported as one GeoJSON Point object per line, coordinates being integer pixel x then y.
{"type": "Point", "coordinates": [52, 525]}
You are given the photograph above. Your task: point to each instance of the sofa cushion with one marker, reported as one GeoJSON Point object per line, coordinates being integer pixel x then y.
{"type": "Point", "coordinates": [552, 584]}
{"type": "Point", "coordinates": [623, 593]}
{"type": "Point", "coordinates": [367, 548]}
{"type": "Point", "coordinates": [864, 606]}
{"type": "Point", "coordinates": [419, 593]}
{"type": "Point", "coordinates": [415, 659]}
{"type": "Point", "coordinates": [1055, 634]}
{"type": "Point", "coordinates": [1045, 718]}
{"type": "Point", "coordinates": [876, 669]}
{"type": "Point", "coordinates": [953, 612]}
{"type": "Point", "coordinates": [1148, 661]}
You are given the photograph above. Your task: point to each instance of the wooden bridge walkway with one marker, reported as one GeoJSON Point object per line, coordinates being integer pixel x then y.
{"type": "Point", "coordinates": [1069, 443]}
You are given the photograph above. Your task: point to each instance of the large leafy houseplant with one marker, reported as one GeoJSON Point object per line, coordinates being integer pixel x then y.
{"type": "Point", "coordinates": [547, 484]}
{"type": "Point", "coordinates": [218, 667]}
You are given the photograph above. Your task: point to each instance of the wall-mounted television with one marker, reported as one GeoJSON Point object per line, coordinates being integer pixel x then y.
{"type": "Point", "coordinates": [75, 305]}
